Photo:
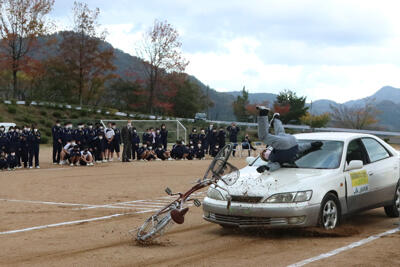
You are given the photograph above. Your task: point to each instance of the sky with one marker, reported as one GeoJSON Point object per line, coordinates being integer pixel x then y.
{"type": "Point", "coordinates": [338, 50]}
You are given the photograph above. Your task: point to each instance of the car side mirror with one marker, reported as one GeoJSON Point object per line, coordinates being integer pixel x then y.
{"type": "Point", "coordinates": [354, 165]}
{"type": "Point", "coordinates": [250, 160]}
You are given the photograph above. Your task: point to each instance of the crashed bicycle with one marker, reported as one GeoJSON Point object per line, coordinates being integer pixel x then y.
{"type": "Point", "coordinates": [219, 170]}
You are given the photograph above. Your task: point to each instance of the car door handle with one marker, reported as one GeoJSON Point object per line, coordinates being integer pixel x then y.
{"type": "Point", "coordinates": [370, 173]}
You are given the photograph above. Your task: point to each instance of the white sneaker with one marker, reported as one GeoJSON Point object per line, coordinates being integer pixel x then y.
{"type": "Point", "coordinates": [8, 169]}
{"type": "Point", "coordinates": [158, 159]}
{"type": "Point", "coordinates": [55, 163]}
{"type": "Point", "coordinates": [72, 165]}
{"type": "Point", "coordinates": [170, 159]}
{"type": "Point", "coordinates": [119, 159]}
{"type": "Point", "coordinates": [37, 167]}
{"type": "Point", "coordinates": [104, 160]}
{"type": "Point", "coordinates": [98, 161]}
{"type": "Point", "coordinates": [76, 164]}
{"type": "Point", "coordinates": [30, 167]}
{"type": "Point", "coordinates": [91, 164]}
{"type": "Point", "coordinates": [111, 160]}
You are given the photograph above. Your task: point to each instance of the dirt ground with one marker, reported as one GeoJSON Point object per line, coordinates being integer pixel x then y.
{"type": "Point", "coordinates": [119, 197]}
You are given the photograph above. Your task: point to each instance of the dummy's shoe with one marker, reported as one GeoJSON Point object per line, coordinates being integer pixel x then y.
{"type": "Point", "coordinates": [263, 111]}
{"type": "Point", "coordinates": [275, 116]}
{"type": "Point", "coordinates": [262, 169]}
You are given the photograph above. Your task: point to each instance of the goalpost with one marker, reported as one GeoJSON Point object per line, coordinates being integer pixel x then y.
{"type": "Point", "coordinates": [176, 130]}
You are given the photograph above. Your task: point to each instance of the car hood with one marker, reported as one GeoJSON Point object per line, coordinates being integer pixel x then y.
{"type": "Point", "coordinates": [252, 183]}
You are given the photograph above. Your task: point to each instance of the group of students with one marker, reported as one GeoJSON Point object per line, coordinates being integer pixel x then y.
{"type": "Point", "coordinates": [19, 147]}
{"type": "Point", "coordinates": [85, 144]}
{"type": "Point", "coordinates": [90, 143]}
{"type": "Point", "coordinates": [211, 140]}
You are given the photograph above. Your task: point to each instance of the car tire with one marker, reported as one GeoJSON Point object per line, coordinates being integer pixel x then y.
{"type": "Point", "coordinates": [392, 211]}
{"type": "Point", "coordinates": [330, 212]}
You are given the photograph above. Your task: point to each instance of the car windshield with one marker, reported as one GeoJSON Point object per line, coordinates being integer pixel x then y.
{"type": "Point", "coordinates": [327, 157]}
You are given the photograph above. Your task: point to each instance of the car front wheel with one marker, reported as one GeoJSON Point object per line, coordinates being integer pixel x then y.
{"type": "Point", "coordinates": [393, 210]}
{"type": "Point", "coordinates": [330, 213]}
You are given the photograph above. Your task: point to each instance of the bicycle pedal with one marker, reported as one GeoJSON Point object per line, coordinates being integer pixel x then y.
{"type": "Point", "coordinates": [168, 191]}
{"type": "Point", "coordinates": [196, 202]}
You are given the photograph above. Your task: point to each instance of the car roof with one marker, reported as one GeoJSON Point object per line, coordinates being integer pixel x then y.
{"type": "Point", "coordinates": [335, 136]}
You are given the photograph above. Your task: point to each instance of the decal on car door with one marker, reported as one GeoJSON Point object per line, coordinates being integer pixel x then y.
{"type": "Point", "coordinates": [359, 182]}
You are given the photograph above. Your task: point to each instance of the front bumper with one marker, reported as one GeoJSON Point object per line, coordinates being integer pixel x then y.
{"type": "Point", "coordinates": [261, 214]}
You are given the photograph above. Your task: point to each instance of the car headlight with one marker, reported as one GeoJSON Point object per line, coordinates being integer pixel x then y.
{"type": "Point", "coordinates": [214, 194]}
{"type": "Point", "coordinates": [290, 197]}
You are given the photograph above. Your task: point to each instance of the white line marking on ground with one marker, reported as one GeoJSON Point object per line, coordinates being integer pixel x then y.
{"type": "Point", "coordinates": [72, 222]}
{"type": "Point", "coordinates": [45, 202]}
{"type": "Point", "coordinates": [345, 248]}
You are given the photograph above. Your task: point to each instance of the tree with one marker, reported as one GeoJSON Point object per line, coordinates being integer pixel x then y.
{"type": "Point", "coordinates": [21, 22]}
{"type": "Point", "coordinates": [87, 61]}
{"type": "Point", "coordinates": [290, 106]}
{"type": "Point", "coordinates": [354, 117]}
{"type": "Point", "coordinates": [125, 95]}
{"type": "Point", "coordinates": [160, 50]}
{"type": "Point", "coordinates": [240, 104]}
{"type": "Point", "coordinates": [251, 109]}
{"type": "Point", "coordinates": [189, 100]}
{"type": "Point", "coordinates": [315, 121]}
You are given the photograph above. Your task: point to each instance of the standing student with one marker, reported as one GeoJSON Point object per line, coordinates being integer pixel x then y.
{"type": "Point", "coordinates": [203, 140]}
{"type": "Point", "coordinates": [194, 136]}
{"type": "Point", "coordinates": [213, 139]}
{"type": "Point", "coordinates": [116, 143]}
{"type": "Point", "coordinates": [233, 131]}
{"type": "Point", "coordinates": [135, 144]}
{"type": "Point", "coordinates": [25, 145]}
{"type": "Point", "coordinates": [12, 137]}
{"type": "Point", "coordinates": [164, 136]}
{"type": "Point", "coordinates": [35, 148]}
{"type": "Point", "coordinates": [209, 134]}
{"type": "Point", "coordinates": [79, 136]}
{"type": "Point", "coordinates": [109, 135]}
{"type": "Point", "coordinates": [18, 151]}
{"type": "Point", "coordinates": [3, 140]}
{"type": "Point", "coordinates": [221, 137]}
{"type": "Point", "coordinates": [57, 133]}
{"type": "Point", "coordinates": [126, 136]}
{"type": "Point", "coordinates": [158, 138]}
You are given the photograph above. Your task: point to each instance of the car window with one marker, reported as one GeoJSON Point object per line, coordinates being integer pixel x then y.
{"type": "Point", "coordinates": [327, 157]}
{"type": "Point", "coordinates": [375, 150]}
{"type": "Point", "coordinates": [356, 151]}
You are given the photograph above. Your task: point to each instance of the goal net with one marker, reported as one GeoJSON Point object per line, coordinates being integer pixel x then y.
{"type": "Point", "coordinates": [176, 130]}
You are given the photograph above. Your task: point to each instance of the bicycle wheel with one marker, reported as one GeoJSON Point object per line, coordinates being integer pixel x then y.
{"type": "Point", "coordinates": [219, 162]}
{"type": "Point", "coordinates": [154, 226]}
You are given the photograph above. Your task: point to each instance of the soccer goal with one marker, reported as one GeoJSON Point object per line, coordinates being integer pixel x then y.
{"type": "Point", "coordinates": [176, 130]}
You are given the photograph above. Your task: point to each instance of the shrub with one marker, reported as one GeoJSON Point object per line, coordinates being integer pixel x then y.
{"type": "Point", "coordinates": [83, 113]}
{"type": "Point", "coordinates": [42, 121]}
{"type": "Point", "coordinates": [47, 132]}
{"type": "Point", "coordinates": [48, 124]}
{"type": "Point", "coordinates": [12, 109]}
{"type": "Point", "coordinates": [74, 116]}
{"type": "Point", "coordinates": [43, 113]}
{"type": "Point", "coordinates": [57, 114]}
